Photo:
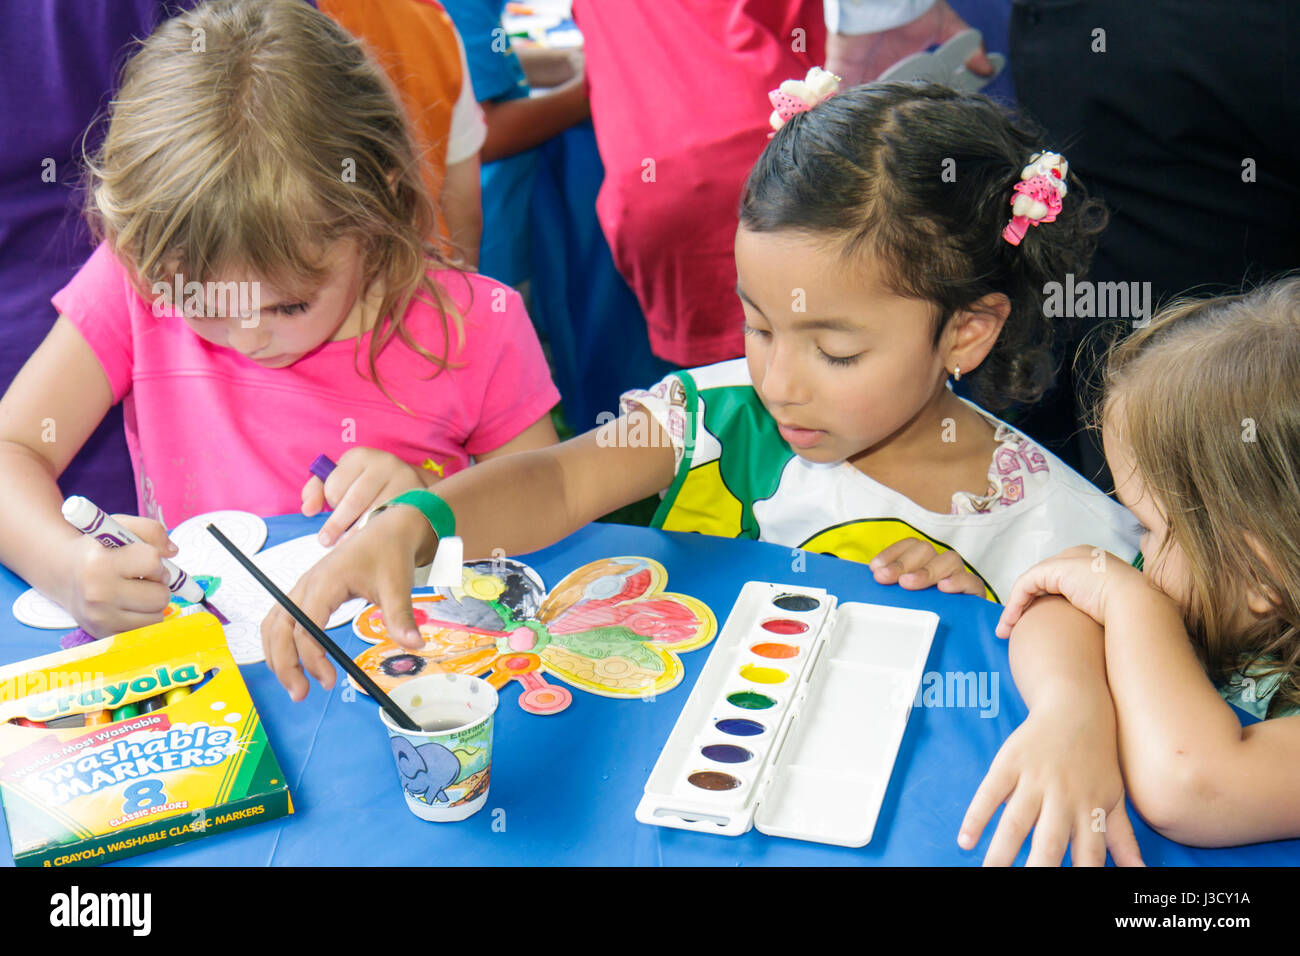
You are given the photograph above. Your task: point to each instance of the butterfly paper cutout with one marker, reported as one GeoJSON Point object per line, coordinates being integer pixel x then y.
{"type": "Point", "coordinates": [609, 628]}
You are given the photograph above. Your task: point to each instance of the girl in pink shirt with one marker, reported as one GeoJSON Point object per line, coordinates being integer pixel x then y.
{"type": "Point", "coordinates": [264, 293]}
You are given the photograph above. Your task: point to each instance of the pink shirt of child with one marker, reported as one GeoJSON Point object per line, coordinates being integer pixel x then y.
{"type": "Point", "coordinates": [209, 429]}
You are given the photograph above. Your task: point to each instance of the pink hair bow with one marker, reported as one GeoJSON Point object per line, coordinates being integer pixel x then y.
{"type": "Point", "coordinates": [799, 96]}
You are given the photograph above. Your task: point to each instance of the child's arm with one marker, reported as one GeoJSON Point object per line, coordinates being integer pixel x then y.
{"type": "Point", "coordinates": [1058, 772]}
{"type": "Point", "coordinates": [462, 208]}
{"type": "Point", "coordinates": [547, 68]}
{"type": "Point", "coordinates": [57, 400]}
{"type": "Point", "coordinates": [1195, 774]}
{"type": "Point", "coordinates": [520, 124]}
{"type": "Point", "coordinates": [516, 503]}
{"type": "Point", "coordinates": [540, 434]}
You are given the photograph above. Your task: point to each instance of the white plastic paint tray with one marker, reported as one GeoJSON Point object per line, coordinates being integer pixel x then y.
{"type": "Point", "coordinates": [814, 763]}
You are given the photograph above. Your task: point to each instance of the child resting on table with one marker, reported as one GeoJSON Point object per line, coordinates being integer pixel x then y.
{"type": "Point", "coordinates": [275, 161]}
{"type": "Point", "coordinates": [866, 274]}
{"type": "Point", "coordinates": [1200, 418]}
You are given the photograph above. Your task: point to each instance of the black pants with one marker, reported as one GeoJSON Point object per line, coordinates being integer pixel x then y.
{"type": "Point", "coordinates": [1163, 126]}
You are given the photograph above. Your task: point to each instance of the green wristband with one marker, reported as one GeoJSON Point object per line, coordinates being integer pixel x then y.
{"type": "Point", "coordinates": [438, 513]}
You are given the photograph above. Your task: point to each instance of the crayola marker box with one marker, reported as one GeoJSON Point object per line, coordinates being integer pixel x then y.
{"type": "Point", "coordinates": [132, 743]}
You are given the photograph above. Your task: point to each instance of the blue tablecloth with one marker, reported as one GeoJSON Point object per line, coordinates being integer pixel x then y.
{"type": "Point", "coordinates": [565, 788]}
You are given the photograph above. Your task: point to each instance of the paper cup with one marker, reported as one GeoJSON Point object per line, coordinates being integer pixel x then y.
{"type": "Point", "coordinates": [444, 769]}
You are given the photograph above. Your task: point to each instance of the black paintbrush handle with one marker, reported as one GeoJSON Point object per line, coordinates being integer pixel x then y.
{"type": "Point", "coordinates": [369, 686]}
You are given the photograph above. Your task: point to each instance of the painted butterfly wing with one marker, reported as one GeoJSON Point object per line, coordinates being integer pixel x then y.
{"type": "Point", "coordinates": [614, 631]}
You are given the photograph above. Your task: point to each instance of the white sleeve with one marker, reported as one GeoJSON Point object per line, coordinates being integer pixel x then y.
{"type": "Point", "coordinates": [871, 16]}
{"type": "Point", "coordinates": [665, 402]}
{"type": "Point", "coordinates": [468, 128]}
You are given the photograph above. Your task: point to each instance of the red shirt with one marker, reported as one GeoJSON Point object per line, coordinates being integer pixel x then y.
{"type": "Point", "coordinates": [679, 103]}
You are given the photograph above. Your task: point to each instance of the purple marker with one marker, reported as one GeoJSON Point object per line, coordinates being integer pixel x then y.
{"type": "Point", "coordinates": [75, 639]}
{"type": "Point", "coordinates": [322, 467]}
{"type": "Point", "coordinates": [88, 518]}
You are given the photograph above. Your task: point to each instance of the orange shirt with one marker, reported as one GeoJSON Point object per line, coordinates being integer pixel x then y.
{"type": "Point", "coordinates": [415, 43]}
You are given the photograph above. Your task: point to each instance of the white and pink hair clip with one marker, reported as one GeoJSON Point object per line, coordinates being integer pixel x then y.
{"type": "Point", "coordinates": [1037, 197]}
{"type": "Point", "coordinates": [799, 96]}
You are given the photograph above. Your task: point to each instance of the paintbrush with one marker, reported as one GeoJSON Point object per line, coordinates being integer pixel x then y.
{"type": "Point", "coordinates": [319, 636]}
{"type": "Point", "coordinates": [88, 518]}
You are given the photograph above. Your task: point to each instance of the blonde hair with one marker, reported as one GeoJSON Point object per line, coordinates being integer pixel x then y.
{"type": "Point", "coordinates": [257, 133]}
{"type": "Point", "coordinates": [1207, 398]}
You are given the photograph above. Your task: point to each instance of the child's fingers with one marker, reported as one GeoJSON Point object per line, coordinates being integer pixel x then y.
{"type": "Point", "coordinates": [282, 657]}
{"type": "Point", "coordinates": [1051, 835]}
{"type": "Point", "coordinates": [150, 532]}
{"type": "Point", "coordinates": [140, 561]}
{"type": "Point", "coordinates": [142, 597]}
{"type": "Point", "coordinates": [1088, 848]}
{"type": "Point", "coordinates": [1121, 840]}
{"type": "Point", "coordinates": [281, 652]}
{"type": "Point", "coordinates": [399, 616]}
{"type": "Point", "coordinates": [276, 628]}
{"type": "Point", "coordinates": [313, 497]}
{"type": "Point", "coordinates": [937, 566]}
{"type": "Point", "coordinates": [318, 596]}
{"type": "Point", "coordinates": [1007, 621]}
{"type": "Point", "coordinates": [889, 559]}
{"type": "Point", "coordinates": [350, 469]}
{"type": "Point", "coordinates": [282, 642]}
{"type": "Point", "coordinates": [993, 789]}
{"type": "Point", "coordinates": [900, 558]}
{"type": "Point", "coordinates": [1017, 820]}
{"type": "Point", "coordinates": [1023, 594]}
{"type": "Point", "coordinates": [358, 499]}
{"type": "Point", "coordinates": [118, 621]}
{"type": "Point", "coordinates": [396, 485]}
{"type": "Point", "coordinates": [314, 658]}
{"type": "Point", "coordinates": [962, 582]}
{"type": "Point", "coordinates": [884, 557]}
{"type": "Point", "coordinates": [935, 569]}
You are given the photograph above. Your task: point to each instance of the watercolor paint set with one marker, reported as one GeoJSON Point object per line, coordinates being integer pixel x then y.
{"type": "Point", "coordinates": [795, 721]}
{"type": "Point", "coordinates": [132, 743]}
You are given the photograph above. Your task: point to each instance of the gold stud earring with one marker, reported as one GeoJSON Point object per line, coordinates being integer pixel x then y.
{"type": "Point", "coordinates": [956, 376]}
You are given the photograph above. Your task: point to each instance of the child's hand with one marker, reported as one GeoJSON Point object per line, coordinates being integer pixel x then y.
{"type": "Point", "coordinates": [377, 563]}
{"type": "Point", "coordinates": [365, 478]}
{"type": "Point", "coordinates": [914, 564]}
{"type": "Point", "coordinates": [1058, 774]}
{"type": "Point", "coordinates": [1085, 576]}
{"type": "Point", "coordinates": [120, 589]}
